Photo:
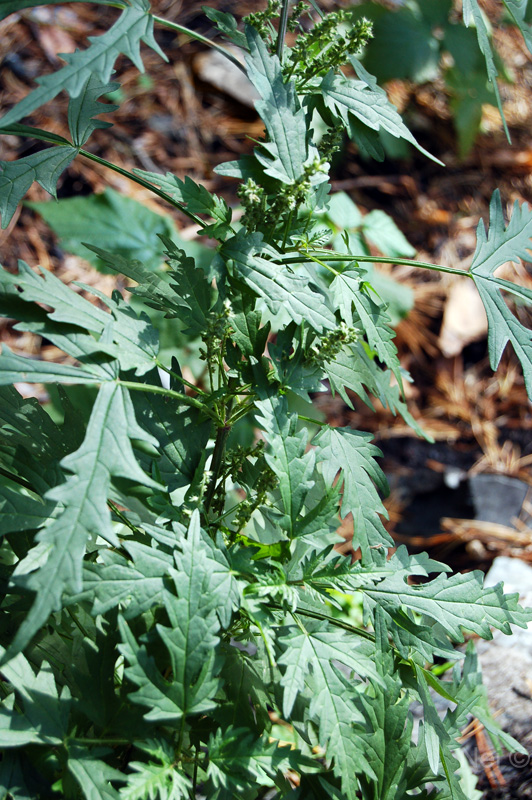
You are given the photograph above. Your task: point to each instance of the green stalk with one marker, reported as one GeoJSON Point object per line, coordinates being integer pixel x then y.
{"type": "Point", "coordinates": [311, 420]}
{"type": "Point", "coordinates": [77, 623]}
{"type": "Point", "coordinates": [240, 412]}
{"type": "Point", "coordinates": [195, 774]}
{"type": "Point", "coordinates": [183, 398]}
{"type": "Point", "coordinates": [146, 184]}
{"type": "Point", "coordinates": [203, 39]}
{"type": "Point", "coordinates": [90, 742]}
{"type": "Point", "coordinates": [16, 479]}
{"type": "Point", "coordinates": [180, 738]}
{"type": "Point", "coordinates": [34, 133]}
{"type": "Point", "coordinates": [122, 517]}
{"type": "Point", "coordinates": [287, 229]}
{"type": "Point", "coordinates": [409, 262]}
{"type": "Point", "coordinates": [283, 22]}
{"type": "Point", "coordinates": [338, 623]}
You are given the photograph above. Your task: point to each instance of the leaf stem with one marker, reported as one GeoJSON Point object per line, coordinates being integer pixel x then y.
{"type": "Point", "coordinates": [283, 22]}
{"type": "Point", "coordinates": [195, 774]}
{"type": "Point", "coordinates": [183, 398]}
{"type": "Point", "coordinates": [146, 184]}
{"type": "Point", "coordinates": [241, 411]}
{"type": "Point", "coordinates": [203, 39]}
{"type": "Point", "coordinates": [16, 479]}
{"type": "Point", "coordinates": [16, 129]}
{"type": "Point", "coordinates": [303, 418]}
{"type": "Point", "coordinates": [78, 740]}
{"type": "Point", "coordinates": [122, 517]}
{"type": "Point", "coordinates": [77, 623]}
{"type": "Point", "coordinates": [287, 229]}
{"type": "Point", "coordinates": [409, 262]}
{"type": "Point", "coordinates": [339, 623]}
{"type": "Point", "coordinates": [180, 738]}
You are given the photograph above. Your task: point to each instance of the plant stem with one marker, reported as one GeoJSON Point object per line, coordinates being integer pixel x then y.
{"type": "Point", "coordinates": [146, 184]}
{"type": "Point", "coordinates": [195, 774]}
{"type": "Point", "coordinates": [216, 463]}
{"type": "Point", "coordinates": [287, 229]}
{"type": "Point", "coordinates": [203, 39]}
{"type": "Point", "coordinates": [16, 479]}
{"type": "Point", "coordinates": [77, 623]}
{"type": "Point", "coordinates": [240, 412]}
{"type": "Point", "coordinates": [34, 133]}
{"type": "Point", "coordinates": [183, 398]}
{"type": "Point", "coordinates": [122, 517]}
{"type": "Point", "coordinates": [283, 22]}
{"type": "Point", "coordinates": [77, 740]}
{"type": "Point", "coordinates": [323, 254]}
{"type": "Point", "coordinates": [339, 623]}
{"type": "Point", "coordinates": [180, 738]}
{"type": "Point", "coordinates": [303, 418]}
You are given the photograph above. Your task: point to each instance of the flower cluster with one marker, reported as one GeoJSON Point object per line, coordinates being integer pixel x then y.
{"type": "Point", "coordinates": [326, 46]}
{"type": "Point", "coordinates": [331, 141]}
{"type": "Point", "coordinates": [266, 483]}
{"type": "Point", "coordinates": [258, 211]}
{"type": "Point", "coordinates": [254, 202]}
{"type": "Point", "coordinates": [262, 20]}
{"type": "Point", "coordinates": [327, 347]}
{"type": "Point", "coordinates": [299, 10]}
{"type": "Point", "coordinates": [215, 337]}
{"type": "Point", "coordinates": [239, 456]}
{"type": "Point", "coordinates": [294, 194]}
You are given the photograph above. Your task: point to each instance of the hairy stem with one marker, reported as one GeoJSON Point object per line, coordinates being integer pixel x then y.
{"type": "Point", "coordinates": [203, 39]}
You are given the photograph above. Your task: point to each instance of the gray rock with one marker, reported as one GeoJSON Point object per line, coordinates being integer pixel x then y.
{"type": "Point", "coordinates": [506, 661]}
{"type": "Point", "coordinates": [497, 498]}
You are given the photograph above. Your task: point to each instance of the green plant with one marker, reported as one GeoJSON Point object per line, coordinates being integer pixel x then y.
{"type": "Point", "coordinates": [170, 579]}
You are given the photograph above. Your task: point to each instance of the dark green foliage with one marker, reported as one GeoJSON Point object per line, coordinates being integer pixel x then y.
{"type": "Point", "coordinates": [170, 623]}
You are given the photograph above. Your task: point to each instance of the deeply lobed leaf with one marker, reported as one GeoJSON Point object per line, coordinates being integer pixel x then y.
{"type": "Point", "coordinates": [501, 244]}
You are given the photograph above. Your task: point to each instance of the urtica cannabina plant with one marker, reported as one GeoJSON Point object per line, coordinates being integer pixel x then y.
{"type": "Point", "coordinates": [168, 627]}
